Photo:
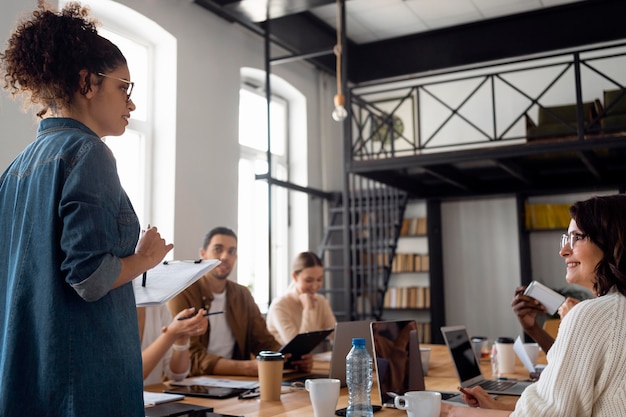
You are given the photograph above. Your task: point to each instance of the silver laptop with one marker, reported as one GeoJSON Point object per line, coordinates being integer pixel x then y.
{"type": "Point", "coordinates": [467, 367]}
{"type": "Point", "coordinates": [342, 343]}
{"type": "Point", "coordinates": [398, 362]}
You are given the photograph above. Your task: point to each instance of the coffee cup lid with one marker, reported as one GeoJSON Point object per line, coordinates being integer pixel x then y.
{"type": "Point", "coordinates": [478, 338]}
{"type": "Point", "coordinates": [505, 340]}
{"type": "Point", "coordinates": [268, 355]}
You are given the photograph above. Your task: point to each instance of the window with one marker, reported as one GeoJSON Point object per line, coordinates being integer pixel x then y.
{"type": "Point", "coordinates": [150, 137]}
{"type": "Point", "coordinates": [253, 235]}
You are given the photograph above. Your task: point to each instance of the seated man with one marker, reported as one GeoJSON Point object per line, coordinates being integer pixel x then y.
{"type": "Point", "coordinates": [232, 339]}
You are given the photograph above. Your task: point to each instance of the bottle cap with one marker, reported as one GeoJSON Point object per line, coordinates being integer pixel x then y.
{"type": "Point", "coordinates": [505, 340]}
{"type": "Point", "coordinates": [358, 341]}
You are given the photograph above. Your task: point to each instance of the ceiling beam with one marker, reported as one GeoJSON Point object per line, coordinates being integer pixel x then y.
{"type": "Point", "coordinates": [544, 30]}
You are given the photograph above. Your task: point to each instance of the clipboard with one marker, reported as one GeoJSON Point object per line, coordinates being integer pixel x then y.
{"type": "Point", "coordinates": [168, 279]}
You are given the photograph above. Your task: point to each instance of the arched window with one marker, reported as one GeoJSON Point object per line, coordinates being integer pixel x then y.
{"type": "Point", "coordinates": [287, 125]}
{"type": "Point", "coordinates": [150, 136]}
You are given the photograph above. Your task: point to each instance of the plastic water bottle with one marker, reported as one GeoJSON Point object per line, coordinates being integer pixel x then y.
{"type": "Point", "coordinates": [359, 380]}
{"type": "Point", "coordinates": [494, 362]}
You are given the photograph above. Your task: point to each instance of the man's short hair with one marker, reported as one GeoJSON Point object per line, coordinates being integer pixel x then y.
{"type": "Point", "coordinates": [220, 230]}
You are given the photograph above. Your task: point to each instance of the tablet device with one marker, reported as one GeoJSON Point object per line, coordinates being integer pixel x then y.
{"type": "Point", "coordinates": [205, 391]}
{"type": "Point", "coordinates": [304, 343]}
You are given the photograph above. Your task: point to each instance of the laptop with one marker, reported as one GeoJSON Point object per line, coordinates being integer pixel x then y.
{"type": "Point", "coordinates": [467, 367]}
{"type": "Point", "coordinates": [397, 360]}
{"type": "Point", "coordinates": [342, 343]}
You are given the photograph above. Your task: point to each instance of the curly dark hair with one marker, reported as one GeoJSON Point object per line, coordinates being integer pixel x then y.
{"type": "Point", "coordinates": [603, 219]}
{"type": "Point", "coordinates": [46, 53]}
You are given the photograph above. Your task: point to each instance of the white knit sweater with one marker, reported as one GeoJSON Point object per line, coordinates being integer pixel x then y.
{"type": "Point", "coordinates": [586, 371]}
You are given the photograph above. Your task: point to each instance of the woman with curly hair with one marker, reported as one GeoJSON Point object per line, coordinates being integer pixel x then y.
{"type": "Point", "coordinates": [69, 342]}
{"type": "Point", "coordinates": [586, 370]}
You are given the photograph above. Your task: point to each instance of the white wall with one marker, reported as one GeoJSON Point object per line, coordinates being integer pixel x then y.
{"type": "Point", "coordinates": [481, 262]}
{"type": "Point", "coordinates": [211, 52]}
{"type": "Point", "coordinates": [481, 265]}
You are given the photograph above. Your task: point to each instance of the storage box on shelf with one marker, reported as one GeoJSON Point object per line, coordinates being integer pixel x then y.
{"type": "Point", "coordinates": [547, 216]}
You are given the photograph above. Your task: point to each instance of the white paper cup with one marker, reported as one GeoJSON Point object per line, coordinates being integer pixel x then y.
{"type": "Point", "coordinates": [506, 355]}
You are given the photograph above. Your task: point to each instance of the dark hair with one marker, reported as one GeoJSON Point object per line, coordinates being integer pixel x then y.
{"type": "Point", "coordinates": [603, 219]}
{"type": "Point", "coordinates": [305, 260]}
{"type": "Point", "coordinates": [47, 52]}
{"type": "Point", "coordinates": [220, 230]}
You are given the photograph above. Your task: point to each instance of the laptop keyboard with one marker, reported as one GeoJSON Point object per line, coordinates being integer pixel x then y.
{"type": "Point", "coordinates": [491, 385]}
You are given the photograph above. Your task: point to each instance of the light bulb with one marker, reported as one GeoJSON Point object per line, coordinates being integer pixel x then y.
{"type": "Point", "coordinates": [340, 112]}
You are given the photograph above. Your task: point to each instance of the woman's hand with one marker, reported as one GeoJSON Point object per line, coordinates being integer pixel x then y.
{"type": "Point", "coordinates": [307, 300]}
{"type": "Point", "coordinates": [567, 305]}
{"type": "Point", "coordinates": [304, 364]}
{"type": "Point", "coordinates": [152, 248]}
{"type": "Point", "coordinates": [478, 397]}
{"type": "Point", "coordinates": [194, 326]}
{"type": "Point", "coordinates": [526, 308]}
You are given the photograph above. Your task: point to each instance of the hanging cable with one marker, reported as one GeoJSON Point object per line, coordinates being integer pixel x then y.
{"type": "Point", "coordinates": [339, 113]}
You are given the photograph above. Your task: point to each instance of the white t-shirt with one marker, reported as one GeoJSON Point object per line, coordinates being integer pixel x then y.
{"type": "Point", "coordinates": [221, 340]}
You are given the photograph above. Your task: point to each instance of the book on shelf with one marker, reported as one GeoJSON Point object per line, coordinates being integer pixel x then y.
{"type": "Point", "coordinates": [415, 226]}
{"type": "Point", "coordinates": [410, 262]}
{"type": "Point", "coordinates": [407, 297]}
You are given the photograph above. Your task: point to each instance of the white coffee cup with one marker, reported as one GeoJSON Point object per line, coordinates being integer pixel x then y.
{"type": "Point", "coordinates": [419, 403]}
{"type": "Point", "coordinates": [425, 357]}
{"type": "Point", "coordinates": [532, 349]}
{"type": "Point", "coordinates": [324, 394]}
{"type": "Point", "coordinates": [506, 355]}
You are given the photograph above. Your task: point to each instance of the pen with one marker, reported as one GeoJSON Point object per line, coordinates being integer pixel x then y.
{"type": "Point", "coordinates": [251, 393]}
{"type": "Point", "coordinates": [205, 315]}
{"type": "Point", "coordinates": [145, 273]}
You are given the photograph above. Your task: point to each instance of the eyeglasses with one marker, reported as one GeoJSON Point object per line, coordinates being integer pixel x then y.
{"type": "Point", "coordinates": [572, 238]}
{"type": "Point", "coordinates": [129, 89]}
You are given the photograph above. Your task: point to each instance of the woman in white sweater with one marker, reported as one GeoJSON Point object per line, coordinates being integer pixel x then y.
{"type": "Point", "coordinates": [301, 309]}
{"type": "Point", "coordinates": [586, 370]}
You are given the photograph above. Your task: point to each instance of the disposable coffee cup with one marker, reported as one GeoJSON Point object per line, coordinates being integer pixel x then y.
{"type": "Point", "coordinates": [270, 374]}
{"type": "Point", "coordinates": [506, 355]}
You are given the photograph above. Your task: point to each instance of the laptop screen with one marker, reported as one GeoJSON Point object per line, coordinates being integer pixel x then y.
{"type": "Point", "coordinates": [397, 358]}
{"type": "Point", "coordinates": [461, 351]}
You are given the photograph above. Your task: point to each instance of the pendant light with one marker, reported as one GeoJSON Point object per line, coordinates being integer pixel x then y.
{"type": "Point", "coordinates": [340, 112]}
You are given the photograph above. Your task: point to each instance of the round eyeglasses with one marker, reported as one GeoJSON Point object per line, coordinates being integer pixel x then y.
{"type": "Point", "coordinates": [128, 88]}
{"type": "Point", "coordinates": [571, 239]}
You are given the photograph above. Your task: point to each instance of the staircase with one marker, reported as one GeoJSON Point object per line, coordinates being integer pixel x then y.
{"type": "Point", "coordinates": [358, 252]}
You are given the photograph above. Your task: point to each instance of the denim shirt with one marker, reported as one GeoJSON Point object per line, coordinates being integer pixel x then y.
{"type": "Point", "coordinates": [69, 344]}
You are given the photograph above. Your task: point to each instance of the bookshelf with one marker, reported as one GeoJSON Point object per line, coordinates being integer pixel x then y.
{"type": "Point", "coordinates": [408, 294]}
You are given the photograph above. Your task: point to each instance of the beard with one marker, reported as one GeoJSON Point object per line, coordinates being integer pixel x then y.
{"type": "Point", "coordinates": [220, 273]}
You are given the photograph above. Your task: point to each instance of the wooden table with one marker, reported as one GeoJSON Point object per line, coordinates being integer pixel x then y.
{"type": "Point", "coordinates": [295, 403]}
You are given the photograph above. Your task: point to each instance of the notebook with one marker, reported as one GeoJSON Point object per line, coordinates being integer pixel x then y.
{"type": "Point", "coordinates": [397, 360]}
{"type": "Point", "coordinates": [467, 367]}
